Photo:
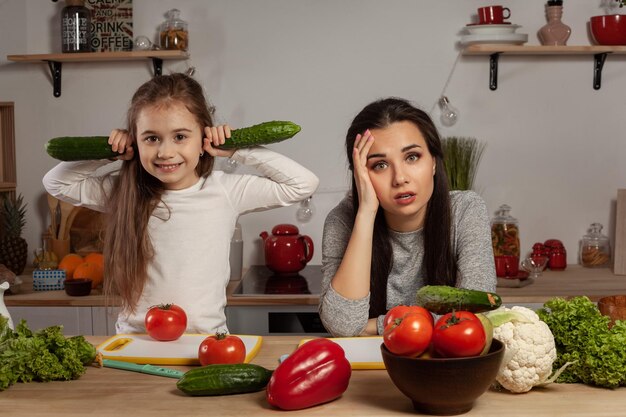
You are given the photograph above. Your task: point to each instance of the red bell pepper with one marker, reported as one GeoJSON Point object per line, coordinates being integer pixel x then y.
{"type": "Point", "coordinates": [315, 373]}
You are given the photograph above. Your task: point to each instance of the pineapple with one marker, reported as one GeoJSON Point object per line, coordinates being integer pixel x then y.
{"type": "Point", "coordinates": [13, 248]}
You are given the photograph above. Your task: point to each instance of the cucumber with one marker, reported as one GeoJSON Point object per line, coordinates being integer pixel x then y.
{"type": "Point", "coordinates": [442, 299]}
{"type": "Point", "coordinates": [224, 379]}
{"type": "Point", "coordinates": [82, 148]}
{"type": "Point", "coordinates": [261, 134]}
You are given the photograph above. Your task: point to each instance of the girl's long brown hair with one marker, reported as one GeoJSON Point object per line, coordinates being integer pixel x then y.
{"type": "Point", "coordinates": [135, 193]}
{"type": "Point", "coordinates": [439, 260]}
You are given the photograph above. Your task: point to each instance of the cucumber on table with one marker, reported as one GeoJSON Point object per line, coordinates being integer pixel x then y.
{"type": "Point", "coordinates": [442, 299]}
{"type": "Point", "coordinates": [82, 148]}
{"type": "Point", "coordinates": [224, 379]}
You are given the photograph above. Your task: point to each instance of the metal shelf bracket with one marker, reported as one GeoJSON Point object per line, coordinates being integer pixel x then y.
{"type": "Point", "coordinates": [597, 69]}
{"type": "Point", "coordinates": [55, 71]}
{"type": "Point", "coordinates": [157, 64]}
{"type": "Point", "coordinates": [493, 71]}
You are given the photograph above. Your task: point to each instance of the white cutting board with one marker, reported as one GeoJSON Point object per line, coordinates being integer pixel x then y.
{"type": "Point", "coordinates": [141, 348]}
{"type": "Point", "coordinates": [361, 352]}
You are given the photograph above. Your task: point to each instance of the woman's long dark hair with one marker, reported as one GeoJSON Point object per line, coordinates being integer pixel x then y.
{"type": "Point", "coordinates": [439, 260]}
{"type": "Point", "coordinates": [136, 193]}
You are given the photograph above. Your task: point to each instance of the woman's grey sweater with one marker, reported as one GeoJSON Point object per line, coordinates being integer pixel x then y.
{"type": "Point", "coordinates": [471, 236]}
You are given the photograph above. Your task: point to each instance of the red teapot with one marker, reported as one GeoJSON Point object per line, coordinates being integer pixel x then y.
{"type": "Point", "coordinates": [286, 251]}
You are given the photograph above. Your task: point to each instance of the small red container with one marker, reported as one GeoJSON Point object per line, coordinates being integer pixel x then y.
{"type": "Point", "coordinates": [608, 29]}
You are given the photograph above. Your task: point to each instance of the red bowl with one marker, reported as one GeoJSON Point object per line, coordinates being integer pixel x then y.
{"type": "Point", "coordinates": [609, 29]}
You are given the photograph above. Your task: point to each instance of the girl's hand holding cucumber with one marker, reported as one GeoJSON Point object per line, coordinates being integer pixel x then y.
{"type": "Point", "coordinates": [120, 142]}
{"type": "Point", "coordinates": [216, 136]}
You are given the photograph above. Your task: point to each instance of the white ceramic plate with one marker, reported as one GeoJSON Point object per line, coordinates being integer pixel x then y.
{"type": "Point", "coordinates": [491, 29]}
{"type": "Point", "coordinates": [509, 38]}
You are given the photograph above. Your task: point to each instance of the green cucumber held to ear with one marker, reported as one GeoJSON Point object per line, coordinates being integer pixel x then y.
{"type": "Point", "coordinates": [82, 148]}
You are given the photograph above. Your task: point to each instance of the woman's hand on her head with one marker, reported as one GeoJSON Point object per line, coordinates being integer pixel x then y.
{"type": "Point", "coordinates": [121, 143]}
{"type": "Point", "coordinates": [367, 194]}
{"type": "Point", "coordinates": [216, 136]}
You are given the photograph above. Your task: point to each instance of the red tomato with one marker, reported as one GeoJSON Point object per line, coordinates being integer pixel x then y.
{"type": "Point", "coordinates": [398, 312]}
{"type": "Point", "coordinates": [409, 335]}
{"type": "Point", "coordinates": [166, 322]}
{"type": "Point", "coordinates": [221, 348]}
{"type": "Point", "coordinates": [459, 334]}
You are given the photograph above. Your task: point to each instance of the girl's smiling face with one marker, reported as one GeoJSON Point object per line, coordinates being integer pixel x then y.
{"type": "Point", "coordinates": [169, 140]}
{"type": "Point", "coordinates": [402, 171]}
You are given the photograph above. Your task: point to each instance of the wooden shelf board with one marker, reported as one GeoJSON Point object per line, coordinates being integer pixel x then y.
{"type": "Point", "coordinates": [488, 49]}
{"type": "Point", "coordinates": [100, 56]}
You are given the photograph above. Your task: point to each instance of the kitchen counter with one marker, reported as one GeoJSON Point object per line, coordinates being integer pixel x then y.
{"type": "Point", "coordinates": [110, 392]}
{"type": "Point", "coordinates": [575, 280]}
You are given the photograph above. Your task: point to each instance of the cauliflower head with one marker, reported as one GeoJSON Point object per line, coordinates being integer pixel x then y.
{"type": "Point", "coordinates": [530, 349]}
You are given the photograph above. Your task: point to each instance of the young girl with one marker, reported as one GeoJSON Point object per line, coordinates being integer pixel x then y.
{"type": "Point", "coordinates": [400, 228]}
{"type": "Point", "coordinates": [170, 216]}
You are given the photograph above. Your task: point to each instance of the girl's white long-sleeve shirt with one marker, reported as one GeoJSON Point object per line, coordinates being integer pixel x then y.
{"type": "Point", "coordinates": [191, 241]}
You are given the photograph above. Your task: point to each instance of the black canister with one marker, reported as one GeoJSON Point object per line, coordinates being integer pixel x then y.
{"type": "Point", "coordinates": [75, 27]}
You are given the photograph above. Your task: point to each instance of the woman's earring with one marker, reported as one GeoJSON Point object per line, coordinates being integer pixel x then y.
{"type": "Point", "coordinates": [201, 154]}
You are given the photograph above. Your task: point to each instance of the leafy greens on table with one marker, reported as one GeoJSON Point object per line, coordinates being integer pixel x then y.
{"type": "Point", "coordinates": [582, 335]}
{"type": "Point", "coordinates": [46, 355]}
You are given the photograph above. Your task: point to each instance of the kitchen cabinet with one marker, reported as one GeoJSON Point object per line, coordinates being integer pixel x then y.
{"type": "Point", "coordinates": [75, 320]}
{"type": "Point", "coordinates": [55, 61]}
{"type": "Point", "coordinates": [494, 51]}
{"type": "Point", "coordinates": [276, 314]}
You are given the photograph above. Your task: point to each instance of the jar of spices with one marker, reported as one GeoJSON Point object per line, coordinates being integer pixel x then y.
{"type": "Point", "coordinates": [173, 32]}
{"type": "Point", "coordinates": [595, 249]}
{"type": "Point", "coordinates": [505, 233]}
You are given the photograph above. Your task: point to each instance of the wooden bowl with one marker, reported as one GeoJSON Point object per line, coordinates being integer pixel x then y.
{"type": "Point", "coordinates": [444, 386]}
{"type": "Point", "coordinates": [78, 287]}
{"type": "Point", "coordinates": [613, 307]}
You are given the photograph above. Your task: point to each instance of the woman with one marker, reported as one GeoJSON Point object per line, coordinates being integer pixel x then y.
{"type": "Point", "coordinates": [400, 228]}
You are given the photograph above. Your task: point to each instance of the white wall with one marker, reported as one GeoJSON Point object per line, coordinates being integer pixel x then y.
{"type": "Point", "coordinates": [555, 147]}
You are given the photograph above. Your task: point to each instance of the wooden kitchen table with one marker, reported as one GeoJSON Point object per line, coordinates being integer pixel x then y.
{"type": "Point", "coordinates": [112, 392]}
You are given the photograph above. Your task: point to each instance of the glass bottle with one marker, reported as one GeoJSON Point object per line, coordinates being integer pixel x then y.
{"type": "Point", "coordinates": [173, 32]}
{"type": "Point", "coordinates": [75, 27]}
{"type": "Point", "coordinates": [505, 233]}
{"type": "Point", "coordinates": [554, 32]}
{"type": "Point", "coordinates": [595, 249]}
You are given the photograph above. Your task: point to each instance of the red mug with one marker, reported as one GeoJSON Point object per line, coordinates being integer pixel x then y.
{"type": "Point", "coordinates": [507, 266]}
{"type": "Point", "coordinates": [493, 15]}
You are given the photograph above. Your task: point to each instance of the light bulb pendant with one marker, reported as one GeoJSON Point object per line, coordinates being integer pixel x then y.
{"type": "Point", "coordinates": [230, 165]}
{"type": "Point", "coordinates": [449, 113]}
{"type": "Point", "coordinates": [305, 211]}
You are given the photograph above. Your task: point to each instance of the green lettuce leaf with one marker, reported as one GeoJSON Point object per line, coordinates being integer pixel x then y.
{"type": "Point", "coordinates": [582, 335]}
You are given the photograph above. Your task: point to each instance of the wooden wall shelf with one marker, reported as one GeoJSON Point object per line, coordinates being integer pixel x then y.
{"type": "Point", "coordinates": [55, 61]}
{"type": "Point", "coordinates": [494, 51]}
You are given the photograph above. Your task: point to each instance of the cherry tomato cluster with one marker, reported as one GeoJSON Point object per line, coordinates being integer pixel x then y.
{"type": "Point", "coordinates": [411, 331]}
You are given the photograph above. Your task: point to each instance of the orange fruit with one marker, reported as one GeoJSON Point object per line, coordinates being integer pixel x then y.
{"type": "Point", "coordinates": [69, 264]}
{"type": "Point", "coordinates": [90, 270]}
{"type": "Point", "coordinates": [96, 258]}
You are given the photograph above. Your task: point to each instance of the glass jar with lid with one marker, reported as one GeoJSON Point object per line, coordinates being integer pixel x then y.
{"type": "Point", "coordinates": [505, 233]}
{"type": "Point", "coordinates": [595, 249]}
{"type": "Point", "coordinates": [173, 32]}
